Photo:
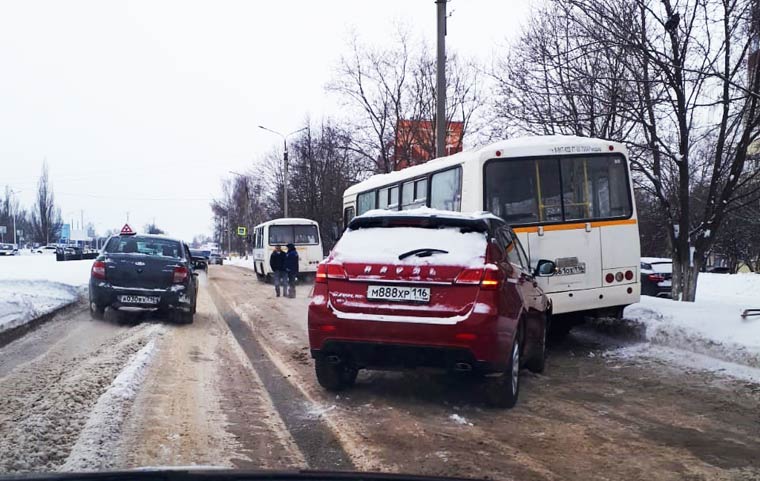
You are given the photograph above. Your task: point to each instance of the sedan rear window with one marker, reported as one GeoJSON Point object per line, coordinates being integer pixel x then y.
{"type": "Point", "coordinates": [449, 246]}
{"type": "Point", "coordinates": [144, 245]}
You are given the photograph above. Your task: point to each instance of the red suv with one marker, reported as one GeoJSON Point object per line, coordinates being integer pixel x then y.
{"type": "Point", "coordinates": [432, 289]}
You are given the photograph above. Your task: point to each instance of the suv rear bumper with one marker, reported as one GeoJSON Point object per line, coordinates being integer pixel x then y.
{"type": "Point", "coordinates": [400, 356]}
{"type": "Point", "coordinates": [481, 340]}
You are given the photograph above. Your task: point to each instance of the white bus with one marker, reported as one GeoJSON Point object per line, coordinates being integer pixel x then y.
{"type": "Point", "coordinates": [303, 233]}
{"type": "Point", "coordinates": [569, 199]}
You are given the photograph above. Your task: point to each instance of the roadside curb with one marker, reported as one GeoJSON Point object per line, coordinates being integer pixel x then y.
{"type": "Point", "coordinates": [6, 337]}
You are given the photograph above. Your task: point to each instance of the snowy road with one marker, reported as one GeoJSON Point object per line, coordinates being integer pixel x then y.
{"type": "Point", "coordinates": [237, 389]}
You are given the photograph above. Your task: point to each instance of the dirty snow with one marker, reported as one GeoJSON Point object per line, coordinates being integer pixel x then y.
{"type": "Point", "coordinates": [33, 285]}
{"type": "Point", "coordinates": [460, 420]}
{"type": "Point", "coordinates": [712, 325]}
{"type": "Point", "coordinates": [100, 436]}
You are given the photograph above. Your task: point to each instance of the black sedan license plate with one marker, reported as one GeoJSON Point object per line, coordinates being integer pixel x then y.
{"type": "Point", "coordinates": [398, 294]}
{"type": "Point", "coordinates": [138, 299]}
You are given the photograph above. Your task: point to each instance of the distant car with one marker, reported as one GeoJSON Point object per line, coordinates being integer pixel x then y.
{"type": "Point", "coordinates": [68, 253]}
{"type": "Point", "coordinates": [215, 258]}
{"type": "Point", "coordinates": [656, 276]}
{"type": "Point", "coordinates": [51, 249]}
{"type": "Point", "coordinates": [438, 290]}
{"type": "Point", "coordinates": [8, 250]}
{"type": "Point", "coordinates": [200, 259]}
{"type": "Point", "coordinates": [145, 273]}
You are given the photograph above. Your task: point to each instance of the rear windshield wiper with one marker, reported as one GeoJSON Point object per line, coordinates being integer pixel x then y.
{"type": "Point", "coordinates": [424, 252]}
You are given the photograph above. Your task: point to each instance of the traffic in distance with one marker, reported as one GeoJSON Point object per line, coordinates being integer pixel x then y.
{"type": "Point", "coordinates": [465, 264]}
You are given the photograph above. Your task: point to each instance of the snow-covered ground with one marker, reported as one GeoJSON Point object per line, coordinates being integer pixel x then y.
{"type": "Point", "coordinates": [33, 285]}
{"type": "Point", "coordinates": [240, 262]}
{"type": "Point", "coordinates": [712, 326]}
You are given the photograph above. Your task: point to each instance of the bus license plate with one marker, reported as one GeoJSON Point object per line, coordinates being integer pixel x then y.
{"type": "Point", "coordinates": [138, 299]}
{"type": "Point", "coordinates": [398, 294]}
{"type": "Point", "coordinates": [571, 270]}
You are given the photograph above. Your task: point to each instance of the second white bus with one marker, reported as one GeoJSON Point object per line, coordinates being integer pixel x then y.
{"type": "Point", "coordinates": [303, 233]}
{"type": "Point", "coordinates": [569, 199]}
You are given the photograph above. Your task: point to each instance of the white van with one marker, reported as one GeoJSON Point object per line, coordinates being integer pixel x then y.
{"type": "Point", "coordinates": [303, 233]}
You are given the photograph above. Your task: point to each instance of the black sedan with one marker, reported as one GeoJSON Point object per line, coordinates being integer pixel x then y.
{"type": "Point", "coordinates": [144, 273]}
{"type": "Point", "coordinates": [200, 259]}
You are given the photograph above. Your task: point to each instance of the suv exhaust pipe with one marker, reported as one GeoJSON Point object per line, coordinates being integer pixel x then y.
{"type": "Point", "coordinates": [333, 359]}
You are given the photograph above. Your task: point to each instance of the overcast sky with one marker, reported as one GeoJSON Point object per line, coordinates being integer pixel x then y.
{"type": "Point", "coordinates": [143, 106]}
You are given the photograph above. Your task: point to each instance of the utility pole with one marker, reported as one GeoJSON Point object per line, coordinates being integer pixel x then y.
{"type": "Point", "coordinates": [440, 101]}
{"type": "Point", "coordinates": [285, 166]}
{"type": "Point", "coordinates": [285, 181]}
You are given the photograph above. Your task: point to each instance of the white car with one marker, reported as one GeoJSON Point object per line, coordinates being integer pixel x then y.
{"type": "Point", "coordinates": [8, 250]}
{"type": "Point", "coordinates": [44, 250]}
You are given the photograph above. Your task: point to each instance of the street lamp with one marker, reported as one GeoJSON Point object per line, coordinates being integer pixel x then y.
{"type": "Point", "coordinates": [285, 162]}
{"type": "Point", "coordinates": [15, 241]}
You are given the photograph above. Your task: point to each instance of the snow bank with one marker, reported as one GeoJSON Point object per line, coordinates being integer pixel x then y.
{"type": "Point", "coordinates": [100, 436]}
{"type": "Point", "coordinates": [33, 285]}
{"type": "Point", "coordinates": [24, 301]}
{"type": "Point", "coordinates": [712, 325]}
{"type": "Point", "coordinates": [240, 262]}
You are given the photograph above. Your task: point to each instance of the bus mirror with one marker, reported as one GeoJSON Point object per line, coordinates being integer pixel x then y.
{"type": "Point", "coordinates": [545, 268]}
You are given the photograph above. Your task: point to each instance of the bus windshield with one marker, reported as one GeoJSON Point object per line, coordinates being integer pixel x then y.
{"type": "Point", "coordinates": [293, 234]}
{"type": "Point", "coordinates": [546, 190]}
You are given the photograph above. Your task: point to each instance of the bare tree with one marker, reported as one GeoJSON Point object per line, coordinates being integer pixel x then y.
{"type": "Point", "coordinates": [46, 218]}
{"type": "Point", "coordinates": [386, 85]}
{"type": "Point", "coordinates": [691, 114]}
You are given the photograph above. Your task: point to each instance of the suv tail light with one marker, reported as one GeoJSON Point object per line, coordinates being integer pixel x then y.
{"type": "Point", "coordinates": [655, 277]}
{"type": "Point", "coordinates": [328, 270]}
{"type": "Point", "coordinates": [470, 276]}
{"type": "Point", "coordinates": [180, 275]}
{"type": "Point", "coordinates": [99, 270]}
{"type": "Point", "coordinates": [489, 277]}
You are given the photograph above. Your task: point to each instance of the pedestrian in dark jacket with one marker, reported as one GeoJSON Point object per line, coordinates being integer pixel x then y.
{"type": "Point", "coordinates": [279, 274]}
{"type": "Point", "coordinates": [291, 266]}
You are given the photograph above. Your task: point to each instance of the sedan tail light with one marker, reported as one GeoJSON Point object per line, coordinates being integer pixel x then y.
{"type": "Point", "coordinates": [99, 270]}
{"type": "Point", "coordinates": [655, 277]}
{"type": "Point", "coordinates": [180, 275]}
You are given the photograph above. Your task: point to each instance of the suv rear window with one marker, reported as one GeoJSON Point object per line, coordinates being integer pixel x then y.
{"type": "Point", "coordinates": [384, 245]}
{"type": "Point", "coordinates": [144, 245]}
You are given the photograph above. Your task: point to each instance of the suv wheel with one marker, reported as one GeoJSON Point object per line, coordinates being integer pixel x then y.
{"type": "Point", "coordinates": [502, 391]}
{"type": "Point", "coordinates": [334, 377]}
{"type": "Point", "coordinates": [538, 362]}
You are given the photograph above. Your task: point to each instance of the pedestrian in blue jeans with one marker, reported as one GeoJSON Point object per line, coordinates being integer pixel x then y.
{"type": "Point", "coordinates": [280, 275]}
{"type": "Point", "coordinates": [291, 266]}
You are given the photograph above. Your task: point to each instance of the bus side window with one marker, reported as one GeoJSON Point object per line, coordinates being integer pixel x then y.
{"type": "Point", "coordinates": [348, 214]}
{"type": "Point", "coordinates": [446, 190]}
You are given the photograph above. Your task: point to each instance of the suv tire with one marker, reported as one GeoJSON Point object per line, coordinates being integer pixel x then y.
{"type": "Point", "coordinates": [334, 377]}
{"type": "Point", "coordinates": [502, 391]}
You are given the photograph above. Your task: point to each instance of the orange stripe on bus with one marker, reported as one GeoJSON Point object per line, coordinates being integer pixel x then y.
{"type": "Point", "coordinates": [579, 225]}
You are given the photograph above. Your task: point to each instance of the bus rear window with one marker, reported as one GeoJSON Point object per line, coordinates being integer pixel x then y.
{"type": "Point", "coordinates": [548, 190]}
{"type": "Point", "coordinates": [293, 234]}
